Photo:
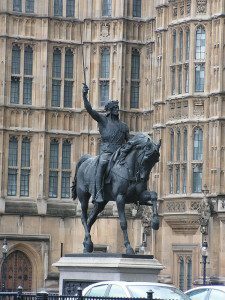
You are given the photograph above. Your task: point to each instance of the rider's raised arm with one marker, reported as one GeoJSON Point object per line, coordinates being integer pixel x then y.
{"type": "Point", "coordinates": [93, 113]}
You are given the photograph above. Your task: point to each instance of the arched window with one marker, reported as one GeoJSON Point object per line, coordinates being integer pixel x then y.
{"type": "Point", "coordinates": [104, 76]}
{"type": "Point", "coordinates": [28, 71]}
{"type": "Point", "coordinates": [12, 166]}
{"type": "Point", "coordinates": [105, 63]}
{"type": "Point", "coordinates": [58, 8]}
{"type": "Point", "coordinates": [29, 7]}
{"type": "Point", "coordinates": [66, 169]}
{"type": "Point", "coordinates": [17, 5]}
{"type": "Point", "coordinates": [68, 83]}
{"type": "Point", "coordinates": [187, 52]}
{"type": "Point", "coordinates": [185, 145]}
{"type": "Point", "coordinates": [70, 8]}
{"type": "Point", "coordinates": [172, 145]}
{"type": "Point", "coordinates": [181, 274]}
{"type": "Point", "coordinates": [106, 8]}
{"type": "Point", "coordinates": [15, 67]}
{"type": "Point", "coordinates": [137, 8]}
{"type": "Point", "coordinates": [56, 67]}
{"type": "Point", "coordinates": [25, 167]}
{"type": "Point", "coordinates": [53, 165]}
{"type": "Point", "coordinates": [28, 61]}
{"type": "Point", "coordinates": [181, 46]}
{"type": "Point", "coordinates": [56, 78]}
{"type": "Point", "coordinates": [198, 144]}
{"type": "Point", "coordinates": [178, 145]}
{"type": "Point", "coordinates": [174, 45]}
{"type": "Point", "coordinates": [135, 78]}
{"type": "Point", "coordinates": [200, 43]}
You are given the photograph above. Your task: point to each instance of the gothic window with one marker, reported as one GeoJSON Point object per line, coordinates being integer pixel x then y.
{"type": "Point", "coordinates": [24, 77]}
{"type": "Point", "coordinates": [184, 271]}
{"type": "Point", "coordinates": [171, 179]}
{"type": "Point", "coordinates": [68, 83]}
{"type": "Point", "coordinates": [59, 169]}
{"type": "Point", "coordinates": [178, 145]}
{"type": "Point", "coordinates": [56, 78]}
{"type": "Point", "coordinates": [66, 169]}
{"type": "Point", "coordinates": [106, 8]}
{"type": "Point", "coordinates": [29, 6]}
{"type": "Point", "coordinates": [53, 165]}
{"type": "Point", "coordinates": [17, 5]}
{"type": "Point", "coordinates": [28, 71]}
{"type": "Point", "coordinates": [181, 46]}
{"type": "Point", "coordinates": [14, 171]}
{"type": "Point", "coordinates": [199, 77]}
{"type": "Point", "coordinates": [25, 167]}
{"type": "Point", "coordinates": [177, 179]}
{"type": "Point", "coordinates": [200, 43]}
{"type": "Point", "coordinates": [197, 179]}
{"type": "Point", "coordinates": [137, 8]}
{"type": "Point", "coordinates": [180, 79]}
{"type": "Point", "coordinates": [198, 144]}
{"type": "Point", "coordinates": [58, 8]}
{"type": "Point", "coordinates": [15, 66]}
{"type": "Point", "coordinates": [135, 79]}
{"type": "Point", "coordinates": [181, 274]}
{"type": "Point", "coordinates": [173, 80]}
{"type": "Point", "coordinates": [185, 145]}
{"type": "Point", "coordinates": [104, 76]}
{"type": "Point", "coordinates": [70, 8]}
{"type": "Point", "coordinates": [171, 145]}
{"type": "Point", "coordinates": [187, 50]}
{"type": "Point", "coordinates": [105, 63]}
{"type": "Point", "coordinates": [184, 181]}
{"type": "Point", "coordinates": [174, 45]}
{"type": "Point", "coordinates": [186, 79]}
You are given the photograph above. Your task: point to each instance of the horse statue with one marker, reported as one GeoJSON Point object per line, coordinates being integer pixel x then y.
{"type": "Point", "coordinates": [125, 182]}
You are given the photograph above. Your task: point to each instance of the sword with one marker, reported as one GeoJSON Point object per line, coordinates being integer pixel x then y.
{"type": "Point", "coordinates": [82, 53]}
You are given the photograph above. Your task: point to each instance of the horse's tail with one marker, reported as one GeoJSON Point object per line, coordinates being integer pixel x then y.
{"type": "Point", "coordinates": [74, 184]}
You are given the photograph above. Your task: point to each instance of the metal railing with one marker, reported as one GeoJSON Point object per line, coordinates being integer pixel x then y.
{"type": "Point", "coordinates": [20, 295]}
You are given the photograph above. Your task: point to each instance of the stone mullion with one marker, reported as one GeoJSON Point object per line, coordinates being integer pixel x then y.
{"type": "Point", "coordinates": [127, 88]}
{"type": "Point", "coordinates": [21, 74]}
{"type": "Point", "coordinates": [96, 92]}
{"type": "Point", "coordinates": [119, 73]}
{"type": "Point", "coordinates": [218, 156]}
{"type": "Point", "coordinates": [221, 61]}
{"type": "Point", "coordinates": [19, 164]}
{"type": "Point", "coordinates": [206, 158]}
{"type": "Point", "coordinates": [2, 173]}
{"type": "Point", "coordinates": [111, 71]}
{"type": "Point", "coordinates": [59, 169]}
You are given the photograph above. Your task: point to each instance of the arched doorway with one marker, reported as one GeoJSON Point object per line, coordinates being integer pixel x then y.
{"type": "Point", "coordinates": [18, 271]}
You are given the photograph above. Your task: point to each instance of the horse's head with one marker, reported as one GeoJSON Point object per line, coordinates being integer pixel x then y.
{"type": "Point", "coordinates": [148, 157]}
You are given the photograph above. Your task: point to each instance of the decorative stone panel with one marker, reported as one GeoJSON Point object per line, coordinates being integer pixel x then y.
{"type": "Point", "coordinates": [201, 6]}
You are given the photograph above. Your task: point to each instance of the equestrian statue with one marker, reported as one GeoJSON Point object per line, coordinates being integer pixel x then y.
{"type": "Point", "coordinates": [119, 173]}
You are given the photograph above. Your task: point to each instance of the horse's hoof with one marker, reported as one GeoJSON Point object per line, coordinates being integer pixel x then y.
{"type": "Point", "coordinates": [155, 223]}
{"type": "Point", "coordinates": [88, 247]}
{"type": "Point", "coordinates": [129, 250]}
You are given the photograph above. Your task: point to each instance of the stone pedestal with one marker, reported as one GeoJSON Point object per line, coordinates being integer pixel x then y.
{"type": "Point", "coordinates": [84, 269]}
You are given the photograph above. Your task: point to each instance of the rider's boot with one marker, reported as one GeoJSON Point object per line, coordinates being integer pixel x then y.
{"type": "Point", "coordinates": [99, 184]}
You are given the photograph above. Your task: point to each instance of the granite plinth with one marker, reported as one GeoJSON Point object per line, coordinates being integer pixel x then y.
{"type": "Point", "coordinates": [83, 269]}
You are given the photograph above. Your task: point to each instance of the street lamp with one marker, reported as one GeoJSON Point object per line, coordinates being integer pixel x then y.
{"type": "Point", "coordinates": [204, 259]}
{"type": "Point", "coordinates": [4, 253]}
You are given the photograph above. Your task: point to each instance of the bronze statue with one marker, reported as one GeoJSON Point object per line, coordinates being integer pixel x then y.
{"type": "Point", "coordinates": [126, 168]}
{"type": "Point", "coordinates": [114, 134]}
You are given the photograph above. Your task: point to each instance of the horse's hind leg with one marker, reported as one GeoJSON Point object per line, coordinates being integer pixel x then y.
{"type": "Point", "coordinates": [84, 198]}
{"type": "Point", "coordinates": [120, 201]}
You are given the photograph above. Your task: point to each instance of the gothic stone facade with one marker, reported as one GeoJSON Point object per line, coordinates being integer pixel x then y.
{"type": "Point", "coordinates": [164, 61]}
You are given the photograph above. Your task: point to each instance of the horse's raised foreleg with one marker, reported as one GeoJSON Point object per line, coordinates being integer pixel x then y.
{"type": "Point", "coordinates": [88, 245]}
{"type": "Point", "coordinates": [155, 216]}
{"type": "Point", "coordinates": [120, 201]}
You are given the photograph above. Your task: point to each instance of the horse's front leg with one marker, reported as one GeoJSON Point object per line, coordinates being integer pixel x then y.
{"type": "Point", "coordinates": [120, 201]}
{"type": "Point", "coordinates": [155, 216]}
{"type": "Point", "coordinates": [98, 207]}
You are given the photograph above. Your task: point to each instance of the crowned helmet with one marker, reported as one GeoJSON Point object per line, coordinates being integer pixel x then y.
{"type": "Point", "coordinates": [110, 104]}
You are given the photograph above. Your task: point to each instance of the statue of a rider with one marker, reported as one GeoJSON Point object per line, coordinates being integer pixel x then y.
{"type": "Point", "coordinates": [114, 133]}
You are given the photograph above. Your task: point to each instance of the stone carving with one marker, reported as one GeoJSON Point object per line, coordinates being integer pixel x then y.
{"type": "Point", "coordinates": [198, 107]}
{"type": "Point", "coordinates": [188, 7]}
{"type": "Point", "coordinates": [201, 6]}
{"type": "Point", "coordinates": [105, 30]}
{"type": "Point", "coordinates": [206, 210]}
{"type": "Point", "coordinates": [174, 206]}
